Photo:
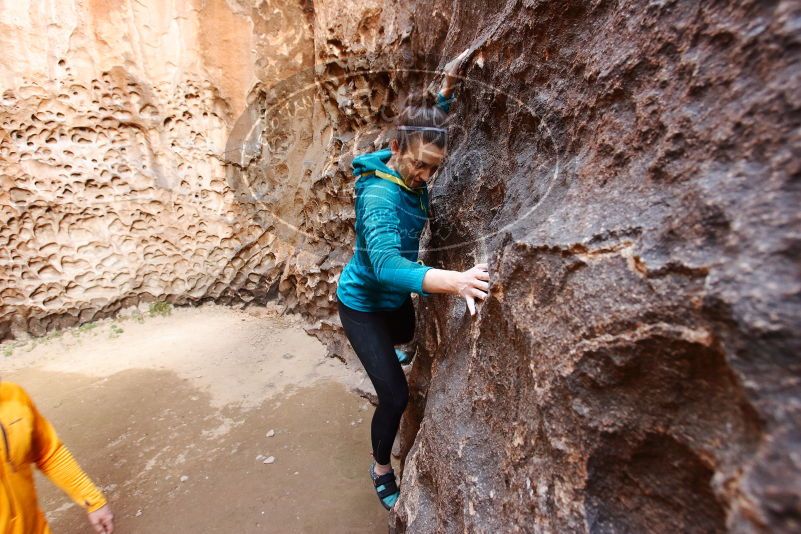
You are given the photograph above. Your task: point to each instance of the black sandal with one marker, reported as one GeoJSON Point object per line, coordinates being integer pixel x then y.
{"type": "Point", "coordinates": [385, 487]}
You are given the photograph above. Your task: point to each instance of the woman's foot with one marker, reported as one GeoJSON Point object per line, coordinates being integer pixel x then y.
{"type": "Point", "coordinates": [403, 357]}
{"type": "Point", "coordinates": [385, 485]}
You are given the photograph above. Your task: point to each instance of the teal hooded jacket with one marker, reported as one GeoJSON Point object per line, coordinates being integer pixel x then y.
{"type": "Point", "coordinates": [389, 220]}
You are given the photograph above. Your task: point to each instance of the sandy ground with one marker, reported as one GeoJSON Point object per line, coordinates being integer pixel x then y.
{"type": "Point", "coordinates": [170, 416]}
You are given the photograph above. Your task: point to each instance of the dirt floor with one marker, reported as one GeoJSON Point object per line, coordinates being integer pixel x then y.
{"type": "Point", "coordinates": [170, 416]}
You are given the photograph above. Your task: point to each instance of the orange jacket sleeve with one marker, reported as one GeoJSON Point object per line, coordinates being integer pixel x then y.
{"type": "Point", "coordinates": [57, 463]}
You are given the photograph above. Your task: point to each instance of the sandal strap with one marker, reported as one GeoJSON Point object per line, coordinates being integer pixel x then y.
{"type": "Point", "coordinates": [386, 478]}
{"type": "Point", "coordinates": [390, 487]}
{"type": "Point", "coordinates": [387, 491]}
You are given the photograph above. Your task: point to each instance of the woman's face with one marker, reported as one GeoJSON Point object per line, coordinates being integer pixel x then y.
{"type": "Point", "coordinates": [419, 162]}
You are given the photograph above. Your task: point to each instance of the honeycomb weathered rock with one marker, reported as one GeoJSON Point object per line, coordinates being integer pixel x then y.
{"type": "Point", "coordinates": [115, 126]}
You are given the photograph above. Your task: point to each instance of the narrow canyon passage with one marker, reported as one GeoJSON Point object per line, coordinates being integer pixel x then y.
{"type": "Point", "coordinates": [629, 172]}
{"type": "Point", "coordinates": [171, 417]}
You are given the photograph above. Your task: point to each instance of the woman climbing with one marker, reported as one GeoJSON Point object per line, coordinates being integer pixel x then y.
{"type": "Point", "coordinates": [373, 292]}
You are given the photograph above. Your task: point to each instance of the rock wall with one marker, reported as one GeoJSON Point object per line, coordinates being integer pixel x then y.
{"type": "Point", "coordinates": [629, 170]}
{"type": "Point", "coordinates": [116, 124]}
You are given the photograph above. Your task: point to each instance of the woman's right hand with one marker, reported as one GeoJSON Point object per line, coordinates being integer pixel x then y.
{"type": "Point", "coordinates": [472, 284]}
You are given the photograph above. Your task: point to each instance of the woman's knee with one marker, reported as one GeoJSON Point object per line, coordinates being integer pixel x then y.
{"type": "Point", "coordinates": [396, 400]}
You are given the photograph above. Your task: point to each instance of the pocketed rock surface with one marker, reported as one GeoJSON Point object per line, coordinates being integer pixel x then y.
{"type": "Point", "coordinates": [628, 170]}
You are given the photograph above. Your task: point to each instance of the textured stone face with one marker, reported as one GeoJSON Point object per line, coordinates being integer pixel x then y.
{"type": "Point", "coordinates": [114, 123]}
{"type": "Point", "coordinates": [629, 170]}
{"type": "Point", "coordinates": [635, 368]}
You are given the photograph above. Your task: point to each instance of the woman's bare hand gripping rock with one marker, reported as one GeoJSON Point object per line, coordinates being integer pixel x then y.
{"type": "Point", "coordinates": [473, 284]}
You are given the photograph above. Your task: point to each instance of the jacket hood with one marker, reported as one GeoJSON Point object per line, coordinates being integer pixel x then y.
{"type": "Point", "coordinates": [373, 161]}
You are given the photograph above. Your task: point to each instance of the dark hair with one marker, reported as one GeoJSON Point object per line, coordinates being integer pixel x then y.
{"type": "Point", "coordinates": [420, 110]}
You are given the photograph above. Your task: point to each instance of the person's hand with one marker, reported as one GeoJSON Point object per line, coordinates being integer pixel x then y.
{"type": "Point", "coordinates": [472, 284]}
{"type": "Point", "coordinates": [451, 70]}
{"type": "Point", "coordinates": [453, 66]}
{"type": "Point", "coordinates": [102, 520]}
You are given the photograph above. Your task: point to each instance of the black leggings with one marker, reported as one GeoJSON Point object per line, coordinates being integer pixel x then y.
{"type": "Point", "coordinates": [373, 335]}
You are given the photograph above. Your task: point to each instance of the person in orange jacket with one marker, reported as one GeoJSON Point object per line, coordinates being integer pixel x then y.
{"type": "Point", "coordinates": [26, 438]}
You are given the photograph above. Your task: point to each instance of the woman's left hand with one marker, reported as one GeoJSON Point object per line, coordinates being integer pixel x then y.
{"type": "Point", "coordinates": [451, 70]}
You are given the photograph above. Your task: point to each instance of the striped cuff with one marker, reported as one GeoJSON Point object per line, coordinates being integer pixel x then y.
{"type": "Point", "coordinates": [424, 271]}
